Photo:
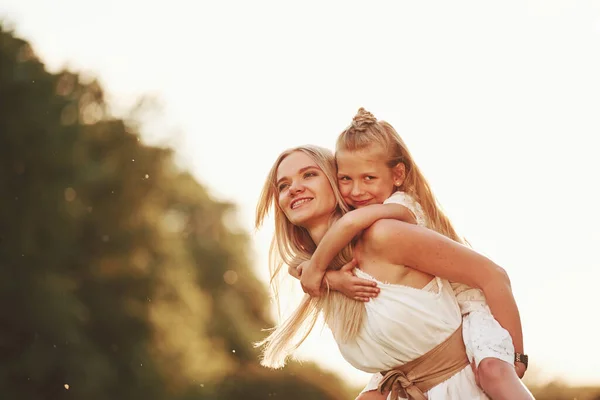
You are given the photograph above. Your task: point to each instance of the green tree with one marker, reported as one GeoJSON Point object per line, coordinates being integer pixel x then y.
{"type": "Point", "coordinates": [120, 276]}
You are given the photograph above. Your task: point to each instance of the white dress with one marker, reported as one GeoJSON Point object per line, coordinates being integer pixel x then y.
{"type": "Point", "coordinates": [483, 335]}
{"type": "Point", "coordinates": [403, 323]}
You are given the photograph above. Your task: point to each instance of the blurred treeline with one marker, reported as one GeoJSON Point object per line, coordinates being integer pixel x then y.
{"type": "Point", "coordinates": [119, 275]}
{"type": "Point", "coordinates": [560, 391]}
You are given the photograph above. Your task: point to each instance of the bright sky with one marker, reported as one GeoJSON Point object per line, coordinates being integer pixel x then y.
{"type": "Point", "coordinates": [499, 103]}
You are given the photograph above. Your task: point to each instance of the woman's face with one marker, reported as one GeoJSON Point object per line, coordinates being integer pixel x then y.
{"type": "Point", "coordinates": [305, 194]}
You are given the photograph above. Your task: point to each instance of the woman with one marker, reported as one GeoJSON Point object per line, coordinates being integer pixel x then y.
{"type": "Point", "coordinates": [411, 332]}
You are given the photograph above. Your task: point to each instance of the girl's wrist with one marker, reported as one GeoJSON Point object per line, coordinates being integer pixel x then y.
{"type": "Point", "coordinates": [331, 277]}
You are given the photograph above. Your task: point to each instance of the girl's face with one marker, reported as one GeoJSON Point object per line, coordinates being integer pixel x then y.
{"type": "Point", "coordinates": [305, 194]}
{"type": "Point", "coordinates": [363, 177]}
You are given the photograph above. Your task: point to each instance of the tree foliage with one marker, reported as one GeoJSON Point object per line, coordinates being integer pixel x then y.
{"type": "Point", "coordinates": [119, 275]}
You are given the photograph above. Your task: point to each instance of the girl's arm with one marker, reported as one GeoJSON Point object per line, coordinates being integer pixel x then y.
{"type": "Point", "coordinates": [341, 233]}
{"type": "Point", "coordinates": [428, 251]}
{"type": "Point", "coordinates": [343, 281]}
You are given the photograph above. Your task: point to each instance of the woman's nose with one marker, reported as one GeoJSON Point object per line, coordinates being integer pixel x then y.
{"type": "Point", "coordinates": [295, 187]}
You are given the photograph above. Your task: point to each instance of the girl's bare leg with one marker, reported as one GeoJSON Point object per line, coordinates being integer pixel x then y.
{"type": "Point", "coordinates": [372, 395]}
{"type": "Point", "coordinates": [499, 380]}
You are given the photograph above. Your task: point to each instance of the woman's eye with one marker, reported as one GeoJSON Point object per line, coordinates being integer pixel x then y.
{"type": "Point", "coordinates": [369, 178]}
{"type": "Point", "coordinates": [344, 178]}
{"type": "Point", "coordinates": [309, 174]}
{"type": "Point", "coordinates": [282, 187]}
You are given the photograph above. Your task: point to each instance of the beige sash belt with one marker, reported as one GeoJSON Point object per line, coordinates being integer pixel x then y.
{"type": "Point", "coordinates": [416, 377]}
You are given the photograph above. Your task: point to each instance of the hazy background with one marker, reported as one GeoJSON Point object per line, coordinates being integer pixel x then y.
{"type": "Point", "coordinates": [498, 103]}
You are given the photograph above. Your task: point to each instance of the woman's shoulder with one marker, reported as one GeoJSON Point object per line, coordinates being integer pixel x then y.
{"type": "Point", "coordinates": [385, 233]}
{"type": "Point", "coordinates": [390, 243]}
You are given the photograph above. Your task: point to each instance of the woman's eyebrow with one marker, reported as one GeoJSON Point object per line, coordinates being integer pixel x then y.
{"type": "Point", "coordinates": [301, 170]}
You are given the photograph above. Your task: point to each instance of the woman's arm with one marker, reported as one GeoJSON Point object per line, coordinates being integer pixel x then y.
{"type": "Point", "coordinates": [341, 233]}
{"type": "Point", "coordinates": [428, 251]}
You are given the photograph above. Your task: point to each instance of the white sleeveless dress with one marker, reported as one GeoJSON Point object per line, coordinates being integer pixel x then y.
{"type": "Point", "coordinates": [483, 335]}
{"type": "Point", "coordinates": [401, 324]}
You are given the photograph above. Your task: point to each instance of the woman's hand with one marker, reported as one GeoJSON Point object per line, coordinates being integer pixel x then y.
{"type": "Point", "coordinates": [345, 282]}
{"type": "Point", "coordinates": [520, 368]}
{"type": "Point", "coordinates": [476, 373]}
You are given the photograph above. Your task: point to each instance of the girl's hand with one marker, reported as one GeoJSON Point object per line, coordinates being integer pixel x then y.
{"type": "Point", "coordinates": [345, 282]}
{"type": "Point", "coordinates": [310, 278]}
{"type": "Point", "coordinates": [295, 271]}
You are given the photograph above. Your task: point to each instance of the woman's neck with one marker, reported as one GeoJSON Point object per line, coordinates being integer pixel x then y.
{"type": "Point", "coordinates": [317, 233]}
{"type": "Point", "coordinates": [318, 230]}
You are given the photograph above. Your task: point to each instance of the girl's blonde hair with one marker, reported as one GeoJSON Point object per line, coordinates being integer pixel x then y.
{"type": "Point", "coordinates": [291, 245]}
{"type": "Point", "coordinates": [366, 131]}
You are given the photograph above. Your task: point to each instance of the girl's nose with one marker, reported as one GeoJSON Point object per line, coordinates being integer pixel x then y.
{"type": "Point", "coordinates": [356, 189]}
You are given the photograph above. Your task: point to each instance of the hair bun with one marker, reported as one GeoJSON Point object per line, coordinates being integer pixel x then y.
{"type": "Point", "coordinates": [362, 119]}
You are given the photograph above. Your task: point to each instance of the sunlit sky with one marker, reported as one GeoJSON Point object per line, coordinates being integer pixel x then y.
{"type": "Point", "coordinates": [499, 103]}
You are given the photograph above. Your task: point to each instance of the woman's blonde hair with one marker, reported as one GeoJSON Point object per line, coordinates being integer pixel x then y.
{"type": "Point", "coordinates": [366, 131]}
{"type": "Point", "coordinates": [292, 245]}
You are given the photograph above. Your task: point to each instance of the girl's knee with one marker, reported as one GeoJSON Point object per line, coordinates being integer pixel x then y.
{"type": "Point", "coordinates": [492, 370]}
{"type": "Point", "coordinates": [372, 395]}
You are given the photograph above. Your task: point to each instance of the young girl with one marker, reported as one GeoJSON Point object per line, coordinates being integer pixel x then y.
{"type": "Point", "coordinates": [375, 168]}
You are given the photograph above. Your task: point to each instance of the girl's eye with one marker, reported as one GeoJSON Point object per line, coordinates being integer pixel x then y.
{"type": "Point", "coordinates": [369, 178]}
{"type": "Point", "coordinates": [282, 186]}
{"type": "Point", "coordinates": [344, 178]}
{"type": "Point", "coordinates": [309, 174]}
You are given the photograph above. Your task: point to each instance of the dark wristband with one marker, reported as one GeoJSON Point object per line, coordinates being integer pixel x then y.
{"type": "Point", "coordinates": [522, 358]}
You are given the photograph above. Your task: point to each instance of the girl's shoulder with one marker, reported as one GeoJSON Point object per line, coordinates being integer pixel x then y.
{"type": "Point", "coordinates": [411, 203]}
